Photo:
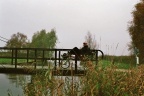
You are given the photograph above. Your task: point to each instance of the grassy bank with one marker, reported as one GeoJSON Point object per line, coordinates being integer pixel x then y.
{"type": "Point", "coordinates": [122, 62]}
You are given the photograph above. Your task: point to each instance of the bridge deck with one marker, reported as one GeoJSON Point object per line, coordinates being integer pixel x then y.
{"type": "Point", "coordinates": [10, 69]}
{"type": "Point", "coordinates": [66, 72]}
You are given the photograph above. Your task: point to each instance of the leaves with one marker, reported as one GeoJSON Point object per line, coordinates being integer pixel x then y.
{"type": "Point", "coordinates": [136, 28]}
{"type": "Point", "coordinates": [44, 39]}
{"type": "Point", "coordinates": [17, 40]}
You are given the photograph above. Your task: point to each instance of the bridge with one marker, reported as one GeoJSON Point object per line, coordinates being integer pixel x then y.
{"type": "Point", "coordinates": [31, 57]}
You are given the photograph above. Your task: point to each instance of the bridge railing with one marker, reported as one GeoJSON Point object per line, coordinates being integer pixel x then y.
{"type": "Point", "coordinates": [39, 54]}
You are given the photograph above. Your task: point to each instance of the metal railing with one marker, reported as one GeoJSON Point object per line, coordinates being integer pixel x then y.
{"type": "Point", "coordinates": [40, 54]}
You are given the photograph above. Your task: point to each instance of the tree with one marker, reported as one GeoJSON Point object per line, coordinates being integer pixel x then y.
{"type": "Point", "coordinates": [136, 29]}
{"type": "Point", "coordinates": [131, 48]}
{"type": "Point", "coordinates": [38, 39]}
{"type": "Point", "coordinates": [44, 39]}
{"type": "Point", "coordinates": [90, 39]}
{"type": "Point", "coordinates": [18, 40]}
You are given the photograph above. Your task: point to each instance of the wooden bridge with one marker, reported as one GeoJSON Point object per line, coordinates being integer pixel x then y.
{"type": "Point", "coordinates": [31, 56]}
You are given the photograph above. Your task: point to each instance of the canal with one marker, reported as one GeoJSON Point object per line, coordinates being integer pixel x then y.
{"type": "Point", "coordinates": [13, 84]}
{"type": "Point", "coordinates": [16, 84]}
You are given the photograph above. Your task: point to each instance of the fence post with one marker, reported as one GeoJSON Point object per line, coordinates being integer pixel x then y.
{"type": "Point", "coordinates": [136, 52]}
{"type": "Point", "coordinates": [137, 60]}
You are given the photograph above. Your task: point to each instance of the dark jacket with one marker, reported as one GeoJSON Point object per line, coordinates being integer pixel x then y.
{"type": "Point", "coordinates": [85, 50]}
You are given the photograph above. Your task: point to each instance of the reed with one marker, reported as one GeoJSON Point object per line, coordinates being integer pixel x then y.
{"type": "Point", "coordinates": [98, 81]}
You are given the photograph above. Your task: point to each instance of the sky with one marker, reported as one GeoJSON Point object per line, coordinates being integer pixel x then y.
{"type": "Point", "coordinates": [106, 20]}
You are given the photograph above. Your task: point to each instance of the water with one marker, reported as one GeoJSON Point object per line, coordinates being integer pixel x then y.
{"type": "Point", "coordinates": [13, 84]}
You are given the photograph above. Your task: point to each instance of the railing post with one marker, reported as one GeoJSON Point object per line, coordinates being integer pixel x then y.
{"type": "Point", "coordinates": [16, 58]}
{"type": "Point", "coordinates": [59, 57]}
{"type": "Point", "coordinates": [35, 58]}
{"type": "Point", "coordinates": [96, 57]}
{"type": "Point", "coordinates": [76, 58]}
{"type": "Point", "coordinates": [55, 59]}
{"type": "Point", "coordinates": [43, 56]}
{"type": "Point", "coordinates": [12, 56]}
{"type": "Point", "coordinates": [27, 55]}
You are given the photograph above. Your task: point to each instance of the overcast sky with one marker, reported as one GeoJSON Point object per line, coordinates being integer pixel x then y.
{"type": "Point", "coordinates": [107, 20]}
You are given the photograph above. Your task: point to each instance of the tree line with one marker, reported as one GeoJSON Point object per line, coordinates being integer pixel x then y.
{"type": "Point", "coordinates": [43, 39]}
{"type": "Point", "coordinates": [40, 39]}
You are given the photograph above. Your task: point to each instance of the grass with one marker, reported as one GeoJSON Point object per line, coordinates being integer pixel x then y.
{"type": "Point", "coordinates": [8, 61]}
{"type": "Point", "coordinates": [119, 65]}
{"type": "Point", "coordinates": [5, 61]}
{"type": "Point", "coordinates": [121, 62]}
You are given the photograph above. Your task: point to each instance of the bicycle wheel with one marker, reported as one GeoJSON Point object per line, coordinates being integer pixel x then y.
{"type": "Point", "coordinates": [65, 64]}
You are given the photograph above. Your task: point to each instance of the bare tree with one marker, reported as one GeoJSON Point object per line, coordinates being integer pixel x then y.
{"type": "Point", "coordinates": [91, 41]}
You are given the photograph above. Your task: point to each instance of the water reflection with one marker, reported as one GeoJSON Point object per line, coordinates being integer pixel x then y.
{"type": "Point", "coordinates": [56, 86]}
{"type": "Point", "coordinates": [37, 85]}
{"type": "Point", "coordinates": [13, 84]}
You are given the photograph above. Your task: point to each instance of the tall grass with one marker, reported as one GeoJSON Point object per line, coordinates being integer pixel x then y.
{"type": "Point", "coordinates": [98, 81]}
